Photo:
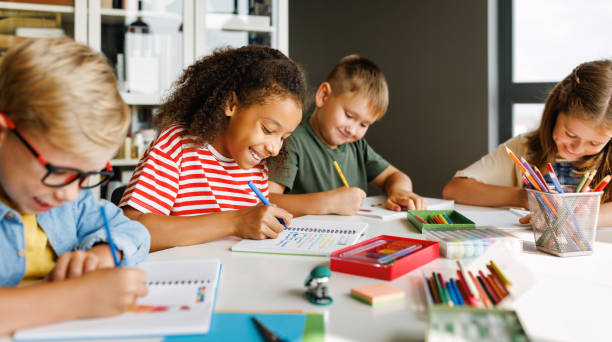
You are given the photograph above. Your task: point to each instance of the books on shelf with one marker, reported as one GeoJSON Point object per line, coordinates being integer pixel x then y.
{"type": "Point", "coordinates": [180, 301]}
{"type": "Point", "coordinates": [374, 206]}
{"type": "Point", "coordinates": [307, 237]}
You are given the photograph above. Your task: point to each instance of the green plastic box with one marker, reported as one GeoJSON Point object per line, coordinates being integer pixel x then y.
{"type": "Point", "coordinates": [459, 221]}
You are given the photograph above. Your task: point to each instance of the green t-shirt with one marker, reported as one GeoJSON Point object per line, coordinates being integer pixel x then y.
{"type": "Point", "coordinates": [310, 165]}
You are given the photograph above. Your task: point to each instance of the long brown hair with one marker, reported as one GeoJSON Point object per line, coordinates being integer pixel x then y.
{"type": "Point", "coordinates": [587, 92]}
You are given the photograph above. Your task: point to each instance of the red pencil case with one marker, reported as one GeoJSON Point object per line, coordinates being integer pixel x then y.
{"type": "Point", "coordinates": [384, 257]}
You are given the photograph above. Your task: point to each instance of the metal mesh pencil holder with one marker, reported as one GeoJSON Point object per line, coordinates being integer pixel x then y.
{"type": "Point", "coordinates": [564, 224]}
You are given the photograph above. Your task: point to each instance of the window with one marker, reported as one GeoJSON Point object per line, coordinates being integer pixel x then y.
{"type": "Point", "coordinates": [540, 43]}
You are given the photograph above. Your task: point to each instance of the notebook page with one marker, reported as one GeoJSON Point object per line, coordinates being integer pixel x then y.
{"type": "Point", "coordinates": [180, 301]}
{"type": "Point", "coordinates": [307, 237]}
{"type": "Point", "coordinates": [374, 206]}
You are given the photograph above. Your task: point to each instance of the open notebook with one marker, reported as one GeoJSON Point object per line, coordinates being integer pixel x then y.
{"type": "Point", "coordinates": [374, 206]}
{"type": "Point", "coordinates": [180, 301]}
{"type": "Point", "coordinates": [307, 237]}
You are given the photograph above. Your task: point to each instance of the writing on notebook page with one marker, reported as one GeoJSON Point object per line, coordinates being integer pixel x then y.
{"type": "Point", "coordinates": [315, 238]}
{"type": "Point", "coordinates": [307, 237]}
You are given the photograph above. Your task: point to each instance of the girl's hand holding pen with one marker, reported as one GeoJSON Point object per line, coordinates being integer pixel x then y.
{"type": "Point", "coordinates": [260, 222]}
{"type": "Point", "coordinates": [77, 263]}
{"type": "Point", "coordinates": [345, 201]}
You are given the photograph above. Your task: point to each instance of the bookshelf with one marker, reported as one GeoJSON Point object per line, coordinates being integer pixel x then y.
{"type": "Point", "coordinates": [178, 33]}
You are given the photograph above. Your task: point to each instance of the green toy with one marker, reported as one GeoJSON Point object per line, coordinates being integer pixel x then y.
{"type": "Point", "coordinates": [316, 291]}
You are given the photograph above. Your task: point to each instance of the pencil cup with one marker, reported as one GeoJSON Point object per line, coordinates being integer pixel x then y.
{"type": "Point", "coordinates": [564, 224]}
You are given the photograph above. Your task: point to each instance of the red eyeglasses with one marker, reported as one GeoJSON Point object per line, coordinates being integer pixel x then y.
{"type": "Point", "coordinates": [58, 176]}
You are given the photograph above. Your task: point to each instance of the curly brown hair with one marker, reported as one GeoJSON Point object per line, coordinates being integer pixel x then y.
{"type": "Point", "coordinates": [256, 74]}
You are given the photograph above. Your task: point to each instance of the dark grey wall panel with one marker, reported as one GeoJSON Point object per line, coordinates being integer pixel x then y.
{"type": "Point", "coordinates": [434, 54]}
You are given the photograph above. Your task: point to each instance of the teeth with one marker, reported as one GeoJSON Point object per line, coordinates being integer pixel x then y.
{"type": "Point", "coordinates": [255, 156]}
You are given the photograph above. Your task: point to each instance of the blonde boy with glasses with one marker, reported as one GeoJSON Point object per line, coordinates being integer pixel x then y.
{"type": "Point", "coordinates": [61, 121]}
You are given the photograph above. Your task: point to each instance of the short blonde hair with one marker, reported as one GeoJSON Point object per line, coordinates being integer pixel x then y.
{"type": "Point", "coordinates": [65, 90]}
{"type": "Point", "coordinates": [354, 73]}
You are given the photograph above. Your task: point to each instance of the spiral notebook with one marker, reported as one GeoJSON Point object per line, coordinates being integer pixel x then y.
{"type": "Point", "coordinates": [307, 237]}
{"type": "Point", "coordinates": [181, 300]}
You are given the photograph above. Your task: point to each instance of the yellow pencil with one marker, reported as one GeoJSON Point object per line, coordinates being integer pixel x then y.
{"type": "Point", "coordinates": [340, 174]}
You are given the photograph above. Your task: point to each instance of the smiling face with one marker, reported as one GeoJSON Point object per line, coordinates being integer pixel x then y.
{"type": "Point", "coordinates": [258, 131]}
{"type": "Point", "coordinates": [576, 138]}
{"type": "Point", "coordinates": [343, 118]}
{"type": "Point", "coordinates": [21, 173]}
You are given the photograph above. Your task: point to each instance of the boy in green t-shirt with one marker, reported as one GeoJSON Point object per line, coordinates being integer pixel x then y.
{"type": "Point", "coordinates": [354, 96]}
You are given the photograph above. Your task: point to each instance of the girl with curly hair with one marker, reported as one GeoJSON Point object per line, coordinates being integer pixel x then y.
{"type": "Point", "coordinates": [574, 136]}
{"type": "Point", "coordinates": [229, 112]}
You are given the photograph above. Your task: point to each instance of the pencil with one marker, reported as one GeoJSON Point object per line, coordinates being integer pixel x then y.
{"type": "Point", "coordinates": [500, 274]}
{"type": "Point", "coordinates": [554, 178]}
{"type": "Point", "coordinates": [340, 174]}
{"type": "Point", "coordinates": [539, 174]}
{"type": "Point", "coordinates": [582, 181]}
{"type": "Point", "coordinates": [602, 184]}
{"type": "Point", "coordinates": [434, 290]}
{"type": "Point", "coordinates": [586, 188]}
{"type": "Point", "coordinates": [483, 295]}
{"type": "Point", "coordinates": [471, 286]}
{"type": "Point", "coordinates": [111, 243]}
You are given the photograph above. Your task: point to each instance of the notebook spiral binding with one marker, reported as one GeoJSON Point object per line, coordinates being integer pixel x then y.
{"type": "Point", "coordinates": [177, 282]}
{"type": "Point", "coordinates": [321, 230]}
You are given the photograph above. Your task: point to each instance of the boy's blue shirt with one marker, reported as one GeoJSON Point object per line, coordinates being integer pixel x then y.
{"type": "Point", "coordinates": [71, 226]}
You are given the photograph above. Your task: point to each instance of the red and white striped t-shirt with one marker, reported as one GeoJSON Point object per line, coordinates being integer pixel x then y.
{"type": "Point", "coordinates": [180, 178]}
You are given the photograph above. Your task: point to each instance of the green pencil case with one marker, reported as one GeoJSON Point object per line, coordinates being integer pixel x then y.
{"type": "Point", "coordinates": [459, 221]}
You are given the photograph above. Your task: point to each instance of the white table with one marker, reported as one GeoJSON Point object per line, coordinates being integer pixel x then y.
{"type": "Point", "coordinates": [569, 300]}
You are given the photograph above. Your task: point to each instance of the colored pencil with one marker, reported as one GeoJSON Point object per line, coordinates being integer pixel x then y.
{"type": "Point", "coordinates": [447, 218]}
{"type": "Point", "coordinates": [554, 178]}
{"type": "Point", "coordinates": [541, 177]}
{"type": "Point", "coordinates": [465, 291]}
{"type": "Point", "coordinates": [340, 174]}
{"type": "Point", "coordinates": [471, 286]}
{"type": "Point", "coordinates": [483, 295]}
{"type": "Point", "coordinates": [499, 273]}
{"type": "Point", "coordinates": [582, 181]}
{"type": "Point", "coordinates": [429, 294]}
{"type": "Point", "coordinates": [487, 291]}
{"type": "Point", "coordinates": [602, 184]}
{"type": "Point", "coordinates": [586, 186]}
{"type": "Point", "coordinates": [419, 218]}
{"type": "Point", "coordinates": [500, 284]}
{"type": "Point", "coordinates": [439, 289]}
{"type": "Point", "coordinates": [445, 290]}
{"type": "Point", "coordinates": [451, 293]}
{"type": "Point", "coordinates": [458, 294]}
{"type": "Point", "coordinates": [434, 290]}
{"type": "Point", "coordinates": [496, 288]}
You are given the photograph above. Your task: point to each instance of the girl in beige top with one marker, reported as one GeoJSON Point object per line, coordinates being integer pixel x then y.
{"type": "Point", "coordinates": [574, 134]}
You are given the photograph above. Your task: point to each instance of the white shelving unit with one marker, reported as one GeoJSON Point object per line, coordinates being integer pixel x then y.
{"type": "Point", "coordinates": [196, 20]}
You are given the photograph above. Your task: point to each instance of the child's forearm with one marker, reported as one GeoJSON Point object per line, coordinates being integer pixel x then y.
{"type": "Point", "coordinates": [172, 231]}
{"type": "Point", "coordinates": [22, 307]}
{"type": "Point", "coordinates": [605, 215]}
{"type": "Point", "coordinates": [398, 181]}
{"type": "Point", "coordinates": [470, 191]}
{"type": "Point", "coordinates": [318, 203]}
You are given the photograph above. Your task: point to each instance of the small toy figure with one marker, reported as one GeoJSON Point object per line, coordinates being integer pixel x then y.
{"type": "Point", "coordinates": [316, 286]}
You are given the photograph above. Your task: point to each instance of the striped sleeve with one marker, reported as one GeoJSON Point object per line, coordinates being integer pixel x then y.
{"type": "Point", "coordinates": [155, 183]}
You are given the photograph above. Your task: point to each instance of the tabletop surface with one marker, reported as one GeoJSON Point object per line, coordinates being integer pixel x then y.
{"type": "Point", "coordinates": [568, 300]}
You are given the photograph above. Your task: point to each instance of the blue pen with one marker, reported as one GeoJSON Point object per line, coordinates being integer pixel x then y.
{"type": "Point", "coordinates": [264, 200]}
{"type": "Point", "coordinates": [111, 244]}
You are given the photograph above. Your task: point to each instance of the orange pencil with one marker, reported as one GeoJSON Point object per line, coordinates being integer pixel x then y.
{"type": "Point", "coordinates": [483, 296]}
{"type": "Point", "coordinates": [496, 288]}
{"type": "Point", "coordinates": [585, 187]}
